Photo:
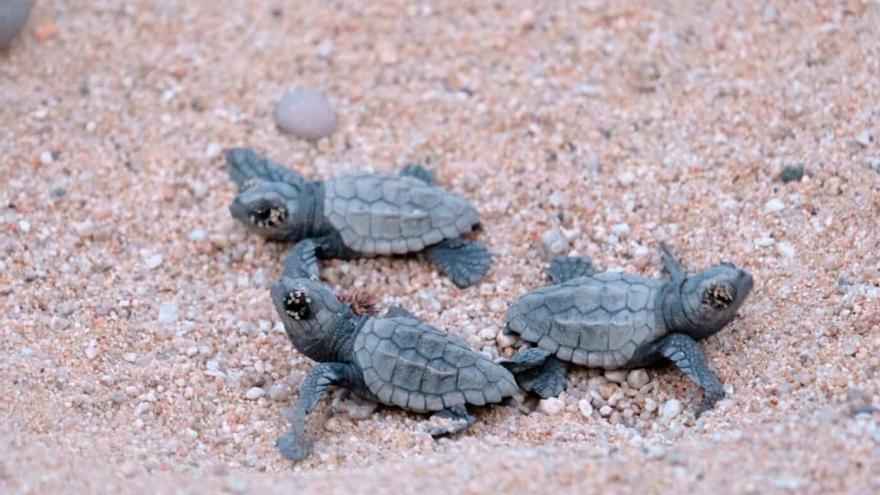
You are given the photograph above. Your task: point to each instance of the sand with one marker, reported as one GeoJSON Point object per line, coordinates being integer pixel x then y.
{"type": "Point", "coordinates": [134, 313]}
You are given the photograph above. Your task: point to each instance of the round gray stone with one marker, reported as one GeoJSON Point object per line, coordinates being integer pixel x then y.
{"type": "Point", "coordinates": [306, 114]}
{"type": "Point", "coordinates": [13, 16]}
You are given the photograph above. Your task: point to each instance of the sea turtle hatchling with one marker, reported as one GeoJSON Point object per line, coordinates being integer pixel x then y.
{"type": "Point", "coordinates": [396, 360]}
{"type": "Point", "coordinates": [358, 215]}
{"type": "Point", "coordinates": [617, 320]}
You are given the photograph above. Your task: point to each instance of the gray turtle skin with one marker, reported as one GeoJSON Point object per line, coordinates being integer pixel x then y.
{"type": "Point", "coordinates": [358, 215]}
{"type": "Point", "coordinates": [617, 320]}
{"type": "Point", "coordinates": [396, 360]}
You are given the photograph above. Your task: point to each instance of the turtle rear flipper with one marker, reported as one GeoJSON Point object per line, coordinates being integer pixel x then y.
{"type": "Point", "coordinates": [464, 262]}
{"type": "Point", "coordinates": [452, 421]}
{"type": "Point", "coordinates": [246, 168]}
{"type": "Point", "coordinates": [565, 268]}
{"type": "Point", "coordinates": [536, 370]}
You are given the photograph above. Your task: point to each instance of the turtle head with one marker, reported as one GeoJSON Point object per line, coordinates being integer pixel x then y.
{"type": "Point", "coordinates": [269, 209]}
{"type": "Point", "coordinates": [312, 315]}
{"type": "Point", "coordinates": [711, 298]}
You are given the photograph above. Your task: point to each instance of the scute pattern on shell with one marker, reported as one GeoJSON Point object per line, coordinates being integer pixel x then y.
{"type": "Point", "coordinates": [410, 364]}
{"type": "Point", "coordinates": [384, 215]}
{"type": "Point", "coordinates": [597, 321]}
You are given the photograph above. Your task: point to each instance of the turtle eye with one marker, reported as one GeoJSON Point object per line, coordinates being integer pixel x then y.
{"type": "Point", "coordinates": [296, 304]}
{"type": "Point", "coordinates": [719, 296]}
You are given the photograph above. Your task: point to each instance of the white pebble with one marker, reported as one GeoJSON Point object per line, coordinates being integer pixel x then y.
{"type": "Point", "coordinates": [773, 206]}
{"type": "Point", "coordinates": [669, 410]}
{"type": "Point", "coordinates": [154, 261]}
{"type": "Point", "coordinates": [786, 249]}
{"type": "Point", "coordinates": [505, 339]}
{"type": "Point", "coordinates": [620, 229]}
{"type": "Point", "coordinates": [764, 242]}
{"type": "Point", "coordinates": [626, 178]}
{"type": "Point", "coordinates": [585, 408]}
{"type": "Point", "coordinates": [46, 158]}
{"type": "Point", "coordinates": [142, 408]}
{"type": "Point", "coordinates": [616, 376]}
{"type": "Point", "coordinates": [213, 151]}
{"type": "Point", "coordinates": [197, 235]}
{"type": "Point", "coordinates": [306, 114]}
{"type": "Point", "coordinates": [551, 406]}
{"type": "Point", "coordinates": [605, 411]}
{"type": "Point", "coordinates": [637, 378]}
{"type": "Point", "coordinates": [325, 49]}
{"type": "Point", "coordinates": [864, 138]}
{"type": "Point", "coordinates": [650, 405]}
{"type": "Point", "coordinates": [91, 352]}
{"type": "Point", "coordinates": [254, 393]}
{"type": "Point", "coordinates": [24, 226]}
{"type": "Point", "coordinates": [130, 357]}
{"type": "Point", "coordinates": [168, 313]}
{"type": "Point", "coordinates": [553, 243]}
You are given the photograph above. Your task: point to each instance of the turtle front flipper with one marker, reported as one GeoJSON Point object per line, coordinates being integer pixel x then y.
{"type": "Point", "coordinates": [464, 262]}
{"type": "Point", "coordinates": [246, 167]}
{"type": "Point", "coordinates": [449, 421]}
{"type": "Point", "coordinates": [565, 268]}
{"type": "Point", "coordinates": [302, 261]}
{"type": "Point", "coordinates": [686, 354]}
{"type": "Point", "coordinates": [673, 267]}
{"type": "Point", "coordinates": [419, 172]}
{"type": "Point", "coordinates": [536, 370]}
{"type": "Point", "coordinates": [294, 444]}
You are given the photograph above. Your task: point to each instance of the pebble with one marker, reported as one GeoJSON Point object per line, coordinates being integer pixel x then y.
{"type": "Point", "coordinates": [626, 178]}
{"type": "Point", "coordinates": [91, 352]}
{"type": "Point", "coordinates": [670, 409]}
{"type": "Point", "coordinates": [764, 242]}
{"type": "Point", "coordinates": [505, 339]}
{"type": "Point", "coordinates": [13, 16]}
{"type": "Point", "coordinates": [213, 151]}
{"type": "Point", "coordinates": [605, 411]}
{"type": "Point", "coordinates": [650, 404]}
{"type": "Point", "coordinates": [254, 393]}
{"type": "Point", "coordinates": [130, 357]}
{"type": "Point", "coordinates": [154, 261]}
{"type": "Point", "coordinates": [46, 158]}
{"type": "Point", "coordinates": [553, 243]}
{"type": "Point", "coordinates": [865, 138]}
{"type": "Point", "coordinates": [620, 229]}
{"type": "Point", "coordinates": [637, 378]}
{"type": "Point", "coordinates": [786, 249]}
{"type": "Point", "coordinates": [585, 408]}
{"type": "Point", "coordinates": [168, 313]}
{"type": "Point", "coordinates": [551, 406]}
{"type": "Point", "coordinates": [306, 114]}
{"type": "Point", "coordinates": [197, 235]}
{"type": "Point", "coordinates": [616, 376]}
{"type": "Point", "coordinates": [773, 206]}
{"type": "Point", "coordinates": [606, 390]}
{"type": "Point", "coordinates": [792, 173]}
{"type": "Point", "coordinates": [586, 89]}
{"type": "Point", "coordinates": [24, 226]}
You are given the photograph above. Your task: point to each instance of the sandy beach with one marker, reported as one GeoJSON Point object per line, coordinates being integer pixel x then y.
{"type": "Point", "coordinates": [139, 349]}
